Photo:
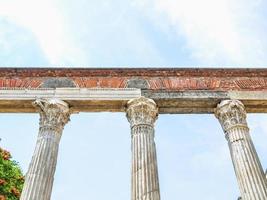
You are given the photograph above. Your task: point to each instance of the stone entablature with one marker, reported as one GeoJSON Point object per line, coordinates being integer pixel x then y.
{"type": "Point", "coordinates": [151, 79]}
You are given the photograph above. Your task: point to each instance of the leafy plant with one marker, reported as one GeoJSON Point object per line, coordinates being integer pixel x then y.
{"type": "Point", "coordinates": [11, 177]}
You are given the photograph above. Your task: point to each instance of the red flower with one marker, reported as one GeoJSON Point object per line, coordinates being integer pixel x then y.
{"type": "Point", "coordinates": [15, 192]}
{"type": "Point", "coordinates": [2, 182]}
{"type": "Point", "coordinates": [5, 154]}
{"type": "Point", "coordinates": [2, 197]}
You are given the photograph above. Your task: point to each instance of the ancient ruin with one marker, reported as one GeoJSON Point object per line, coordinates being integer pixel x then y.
{"type": "Point", "coordinates": [142, 94]}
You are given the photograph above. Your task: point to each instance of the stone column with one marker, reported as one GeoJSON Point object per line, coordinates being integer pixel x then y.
{"type": "Point", "coordinates": [142, 114]}
{"type": "Point", "coordinates": [248, 169]}
{"type": "Point", "coordinates": [54, 114]}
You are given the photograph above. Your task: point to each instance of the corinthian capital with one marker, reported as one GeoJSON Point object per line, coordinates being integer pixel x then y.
{"type": "Point", "coordinates": [141, 111]}
{"type": "Point", "coordinates": [54, 114]}
{"type": "Point", "coordinates": [231, 113]}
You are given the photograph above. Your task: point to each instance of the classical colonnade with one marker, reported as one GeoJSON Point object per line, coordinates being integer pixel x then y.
{"type": "Point", "coordinates": [142, 113]}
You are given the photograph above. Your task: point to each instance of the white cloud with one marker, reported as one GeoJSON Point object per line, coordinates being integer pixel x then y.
{"type": "Point", "coordinates": [216, 31]}
{"type": "Point", "coordinates": [44, 20]}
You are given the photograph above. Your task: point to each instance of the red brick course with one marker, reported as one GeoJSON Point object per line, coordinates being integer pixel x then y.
{"type": "Point", "coordinates": [20, 82]}
{"type": "Point", "coordinates": [157, 79]}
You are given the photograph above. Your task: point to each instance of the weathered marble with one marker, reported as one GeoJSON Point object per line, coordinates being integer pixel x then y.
{"type": "Point", "coordinates": [249, 172]}
{"type": "Point", "coordinates": [18, 100]}
{"type": "Point", "coordinates": [142, 114]}
{"type": "Point", "coordinates": [54, 114]}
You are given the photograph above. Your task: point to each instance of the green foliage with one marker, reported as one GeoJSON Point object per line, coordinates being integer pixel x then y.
{"type": "Point", "coordinates": [11, 178]}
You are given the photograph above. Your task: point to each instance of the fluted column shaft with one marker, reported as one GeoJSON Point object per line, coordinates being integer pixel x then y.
{"type": "Point", "coordinates": [142, 114]}
{"type": "Point", "coordinates": [54, 114]}
{"type": "Point", "coordinates": [248, 169]}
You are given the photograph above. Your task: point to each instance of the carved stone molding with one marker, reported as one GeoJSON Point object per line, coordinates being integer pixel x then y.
{"type": "Point", "coordinates": [54, 114]}
{"type": "Point", "coordinates": [231, 113]}
{"type": "Point", "coordinates": [141, 111]}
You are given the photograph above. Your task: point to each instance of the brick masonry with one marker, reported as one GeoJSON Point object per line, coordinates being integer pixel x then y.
{"type": "Point", "coordinates": [173, 79]}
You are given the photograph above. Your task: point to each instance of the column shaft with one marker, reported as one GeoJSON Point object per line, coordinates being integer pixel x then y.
{"type": "Point", "coordinates": [54, 114]}
{"type": "Point", "coordinates": [142, 114]}
{"type": "Point", "coordinates": [144, 164]}
{"type": "Point", "coordinates": [248, 169]}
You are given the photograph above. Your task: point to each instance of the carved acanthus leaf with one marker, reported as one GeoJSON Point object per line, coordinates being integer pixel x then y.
{"type": "Point", "coordinates": [141, 111]}
{"type": "Point", "coordinates": [231, 113]}
{"type": "Point", "coordinates": [54, 114]}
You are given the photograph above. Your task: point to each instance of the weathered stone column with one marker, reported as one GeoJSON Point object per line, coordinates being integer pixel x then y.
{"type": "Point", "coordinates": [54, 114]}
{"type": "Point", "coordinates": [142, 114]}
{"type": "Point", "coordinates": [248, 169]}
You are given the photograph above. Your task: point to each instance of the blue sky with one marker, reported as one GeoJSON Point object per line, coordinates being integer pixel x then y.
{"type": "Point", "coordinates": [94, 157]}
